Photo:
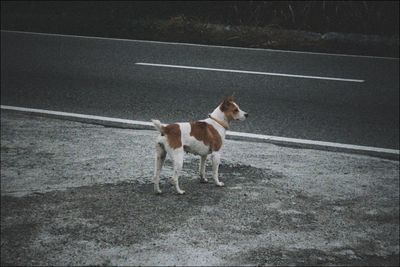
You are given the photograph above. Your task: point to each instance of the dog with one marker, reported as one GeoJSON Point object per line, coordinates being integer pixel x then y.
{"type": "Point", "coordinates": [203, 137]}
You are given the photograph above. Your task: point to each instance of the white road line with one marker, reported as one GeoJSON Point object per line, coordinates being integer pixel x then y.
{"type": "Point", "coordinates": [246, 136]}
{"type": "Point", "coordinates": [250, 72]}
{"type": "Point", "coordinates": [76, 115]}
{"type": "Point", "coordinates": [204, 45]}
{"type": "Point", "coordinates": [314, 142]}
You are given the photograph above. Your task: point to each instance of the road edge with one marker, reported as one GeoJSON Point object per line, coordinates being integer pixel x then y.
{"type": "Point", "coordinates": [204, 45]}
{"type": "Point", "coordinates": [391, 154]}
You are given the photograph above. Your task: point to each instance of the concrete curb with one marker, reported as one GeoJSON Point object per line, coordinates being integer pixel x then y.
{"type": "Point", "coordinates": [283, 141]}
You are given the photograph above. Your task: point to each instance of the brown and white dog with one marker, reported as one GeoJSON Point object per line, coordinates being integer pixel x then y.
{"type": "Point", "coordinates": [202, 138]}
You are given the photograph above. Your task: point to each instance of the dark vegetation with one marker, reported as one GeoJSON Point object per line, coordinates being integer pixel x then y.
{"type": "Point", "coordinates": [300, 25]}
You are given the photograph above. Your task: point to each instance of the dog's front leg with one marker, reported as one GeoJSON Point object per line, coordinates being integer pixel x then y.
{"type": "Point", "coordinates": [202, 168]}
{"type": "Point", "coordinates": [215, 166]}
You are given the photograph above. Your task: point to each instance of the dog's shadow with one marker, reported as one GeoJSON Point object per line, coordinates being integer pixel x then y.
{"type": "Point", "coordinates": [232, 174]}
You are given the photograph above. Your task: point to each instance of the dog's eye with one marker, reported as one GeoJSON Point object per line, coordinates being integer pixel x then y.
{"type": "Point", "coordinates": [235, 110]}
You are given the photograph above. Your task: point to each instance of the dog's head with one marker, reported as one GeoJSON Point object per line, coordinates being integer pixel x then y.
{"type": "Point", "coordinates": [232, 110]}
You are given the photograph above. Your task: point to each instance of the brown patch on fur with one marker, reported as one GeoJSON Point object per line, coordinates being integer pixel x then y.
{"type": "Point", "coordinates": [173, 133]}
{"type": "Point", "coordinates": [228, 108]}
{"type": "Point", "coordinates": [205, 132]}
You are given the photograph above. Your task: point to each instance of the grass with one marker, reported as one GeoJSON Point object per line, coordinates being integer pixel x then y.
{"type": "Point", "coordinates": [266, 24]}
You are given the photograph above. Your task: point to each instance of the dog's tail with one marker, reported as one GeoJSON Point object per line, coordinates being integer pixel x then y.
{"type": "Point", "coordinates": [157, 125]}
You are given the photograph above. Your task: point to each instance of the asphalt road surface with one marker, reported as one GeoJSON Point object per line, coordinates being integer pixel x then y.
{"type": "Point", "coordinates": [345, 99]}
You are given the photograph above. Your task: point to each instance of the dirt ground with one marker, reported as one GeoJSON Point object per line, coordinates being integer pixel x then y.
{"type": "Point", "coordinates": [79, 194]}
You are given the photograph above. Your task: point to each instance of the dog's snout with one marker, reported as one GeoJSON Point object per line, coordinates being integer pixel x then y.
{"type": "Point", "coordinates": [246, 115]}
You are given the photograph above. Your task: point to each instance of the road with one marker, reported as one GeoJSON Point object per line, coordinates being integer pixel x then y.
{"type": "Point", "coordinates": [347, 99]}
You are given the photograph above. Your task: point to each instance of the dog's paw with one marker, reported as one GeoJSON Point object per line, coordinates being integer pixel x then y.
{"type": "Point", "coordinates": [181, 192]}
{"type": "Point", "coordinates": [157, 189]}
{"type": "Point", "coordinates": [158, 192]}
{"type": "Point", "coordinates": [220, 184]}
{"type": "Point", "coordinates": [204, 181]}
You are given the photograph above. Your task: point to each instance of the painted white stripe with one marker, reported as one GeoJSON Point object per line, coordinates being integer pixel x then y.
{"type": "Point", "coordinates": [313, 142]}
{"type": "Point", "coordinates": [76, 115]}
{"type": "Point", "coordinates": [261, 137]}
{"type": "Point", "coordinates": [204, 45]}
{"type": "Point", "coordinates": [249, 72]}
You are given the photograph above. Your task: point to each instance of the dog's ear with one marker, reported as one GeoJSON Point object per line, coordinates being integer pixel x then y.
{"type": "Point", "coordinates": [230, 98]}
{"type": "Point", "coordinates": [226, 102]}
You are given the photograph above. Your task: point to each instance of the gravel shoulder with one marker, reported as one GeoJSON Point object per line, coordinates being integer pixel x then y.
{"type": "Point", "coordinates": [81, 194]}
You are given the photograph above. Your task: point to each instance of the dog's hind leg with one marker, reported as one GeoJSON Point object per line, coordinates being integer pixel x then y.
{"type": "Point", "coordinates": [159, 162]}
{"type": "Point", "coordinates": [177, 157]}
{"type": "Point", "coordinates": [202, 169]}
